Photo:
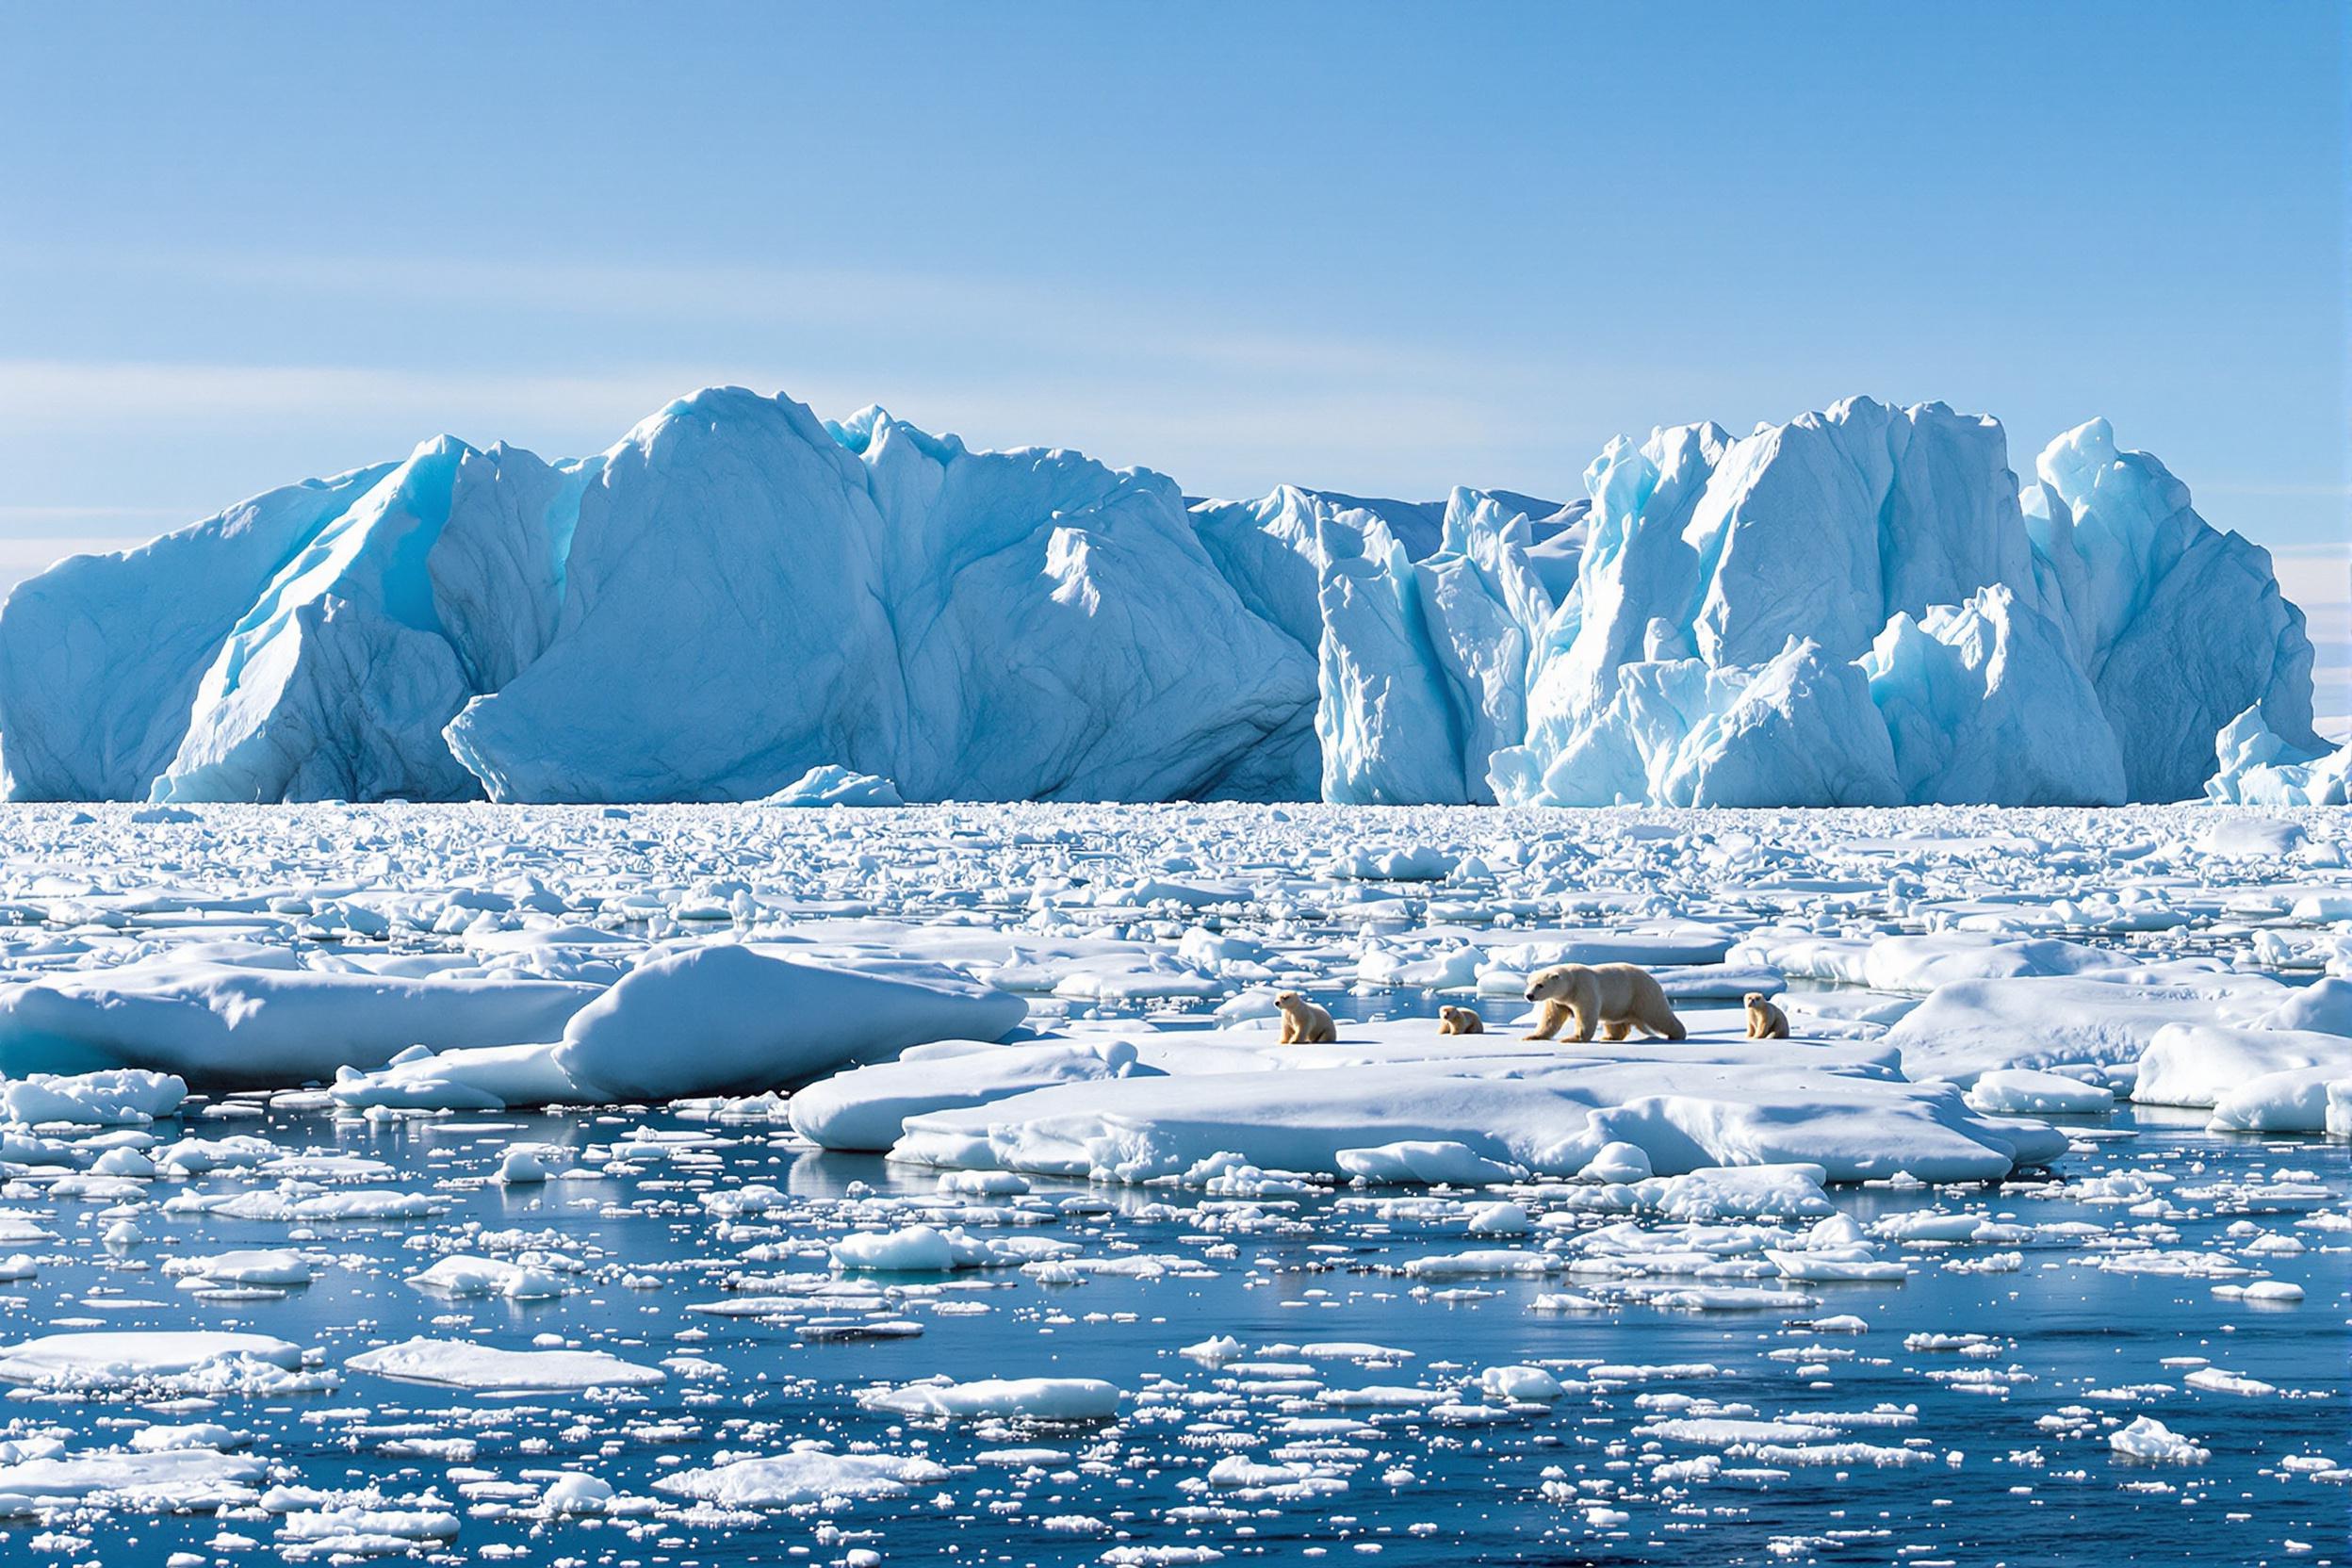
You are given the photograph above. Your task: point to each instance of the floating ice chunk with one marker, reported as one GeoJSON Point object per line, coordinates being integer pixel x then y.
{"type": "Point", "coordinates": [522, 1168]}
{"type": "Point", "coordinates": [725, 1019]}
{"type": "Point", "coordinates": [2293, 1101]}
{"type": "Point", "coordinates": [460, 1363]}
{"type": "Point", "coordinates": [1617, 1162]}
{"type": "Point", "coordinates": [2268, 1292]}
{"type": "Point", "coordinates": [1850, 1264]}
{"type": "Point", "coordinates": [2152, 1442]}
{"type": "Point", "coordinates": [1485, 1261]}
{"type": "Point", "coordinates": [802, 1477]}
{"type": "Point", "coordinates": [1968, 1027]}
{"type": "Point", "coordinates": [573, 1492]}
{"type": "Point", "coordinates": [1706, 1101]}
{"type": "Point", "coordinates": [1499, 1219]}
{"type": "Point", "coordinates": [480, 1078]}
{"type": "Point", "coordinates": [916, 1249]}
{"type": "Point", "coordinates": [92, 1099]}
{"type": "Point", "coordinates": [1007, 1398]}
{"type": "Point", "coordinates": [107, 1359]}
{"type": "Point", "coordinates": [1432, 1163]}
{"type": "Point", "coordinates": [167, 1481]}
{"type": "Point", "coordinates": [1520, 1382]}
{"type": "Point", "coordinates": [196, 1434]}
{"type": "Point", "coordinates": [2202, 1064]}
{"type": "Point", "coordinates": [2215, 1379]}
{"type": "Point", "coordinates": [461, 1274]}
{"type": "Point", "coordinates": [276, 1267]}
{"type": "Point", "coordinates": [228, 1026]}
{"type": "Point", "coordinates": [2324, 1005]}
{"type": "Point", "coordinates": [830, 784]}
{"type": "Point", "coordinates": [1407, 863]}
{"type": "Point", "coordinates": [1775, 1191]}
{"type": "Point", "coordinates": [2020, 1090]}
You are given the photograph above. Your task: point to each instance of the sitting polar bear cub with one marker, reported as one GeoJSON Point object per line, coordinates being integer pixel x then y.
{"type": "Point", "coordinates": [1765, 1022]}
{"type": "Point", "coordinates": [1303, 1023]}
{"type": "Point", "coordinates": [1615, 998]}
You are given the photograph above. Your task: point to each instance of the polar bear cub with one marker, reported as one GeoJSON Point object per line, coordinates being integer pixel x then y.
{"type": "Point", "coordinates": [1766, 1021]}
{"type": "Point", "coordinates": [1459, 1020]}
{"type": "Point", "coordinates": [1303, 1023]}
{"type": "Point", "coordinates": [1614, 997]}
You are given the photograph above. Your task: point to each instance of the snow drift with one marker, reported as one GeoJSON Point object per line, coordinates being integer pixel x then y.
{"type": "Point", "coordinates": [739, 600]}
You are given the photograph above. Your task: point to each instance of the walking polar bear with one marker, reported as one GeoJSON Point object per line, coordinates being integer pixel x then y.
{"type": "Point", "coordinates": [1614, 997]}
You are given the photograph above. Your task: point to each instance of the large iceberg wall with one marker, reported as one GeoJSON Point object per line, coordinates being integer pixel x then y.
{"type": "Point", "coordinates": [101, 655]}
{"type": "Point", "coordinates": [1859, 607]}
{"type": "Point", "coordinates": [2077, 643]}
{"type": "Point", "coordinates": [1421, 663]}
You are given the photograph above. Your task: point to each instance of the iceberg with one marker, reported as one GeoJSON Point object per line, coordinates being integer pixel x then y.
{"type": "Point", "coordinates": [749, 594]}
{"type": "Point", "coordinates": [2256, 767]}
{"type": "Point", "coordinates": [2009, 637]}
{"type": "Point", "coordinates": [741, 601]}
{"type": "Point", "coordinates": [834, 785]}
{"type": "Point", "coordinates": [2179, 625]}
{"type": "Point", "coordinates": [101, 655]}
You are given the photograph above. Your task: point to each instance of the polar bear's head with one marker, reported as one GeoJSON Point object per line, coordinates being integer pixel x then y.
{"type": "Point", "coordinates": [1556, 983]}
{"type": "Point", "coordinates": [1754, 999]}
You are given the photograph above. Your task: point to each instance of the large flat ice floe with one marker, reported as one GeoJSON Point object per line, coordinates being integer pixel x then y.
{"type": "Point", "coordinates": [1863, 606]}
{"type": "Point", "coordinates": [1524, 1108]}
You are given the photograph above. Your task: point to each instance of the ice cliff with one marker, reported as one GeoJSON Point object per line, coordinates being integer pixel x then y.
{"type": "Point", "coordinates": [1859, 607]}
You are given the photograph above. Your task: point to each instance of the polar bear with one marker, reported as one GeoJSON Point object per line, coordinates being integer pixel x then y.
{"type": "Point", "coordinates": [1303, 1023]}
{"type": "Point", "coordinates": [1459, 1020]}
{"type": "Point", "coordinates": [1765, 1021]}
{"type": "Point", "coordinates": [1615, 998]}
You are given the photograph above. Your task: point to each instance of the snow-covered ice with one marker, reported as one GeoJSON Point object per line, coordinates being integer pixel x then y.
{"type": "Point", "coordinates": [880, 1181]}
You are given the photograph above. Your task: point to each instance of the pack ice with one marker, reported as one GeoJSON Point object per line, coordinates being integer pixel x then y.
{"type": "Point", "coordinates": [728, 1180]}
{"type": "Point", "coordinates": [739, 601]}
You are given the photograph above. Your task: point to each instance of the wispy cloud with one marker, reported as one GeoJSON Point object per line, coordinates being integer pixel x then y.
{"type": "Point", "coordinates": [1066, 319]}
{"type": "Point", "coordinates": [1123, 424]}
{"type": "Point", "coordinates": [59, 392]}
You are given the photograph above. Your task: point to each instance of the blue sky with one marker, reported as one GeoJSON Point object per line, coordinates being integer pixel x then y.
{"type": "Point", "coordinates": [1381, 247]}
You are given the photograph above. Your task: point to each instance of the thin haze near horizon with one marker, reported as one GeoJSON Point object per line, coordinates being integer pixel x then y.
{"type": "Point", "coordinates": [1382, 248]}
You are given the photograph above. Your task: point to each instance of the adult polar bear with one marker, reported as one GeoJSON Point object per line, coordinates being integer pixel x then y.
{"type": "Point", "coordinates": [1616, 998]}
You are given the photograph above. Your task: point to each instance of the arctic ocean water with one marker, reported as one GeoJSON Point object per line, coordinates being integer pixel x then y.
{"type": "Point", "coordinates": [1564, 1364]}
{"type": "Point", "coordinates": [1570, 1480]}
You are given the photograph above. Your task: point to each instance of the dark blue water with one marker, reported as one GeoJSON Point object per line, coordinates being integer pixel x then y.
{"type": "Point", "coordinates": [1311, 1270]}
